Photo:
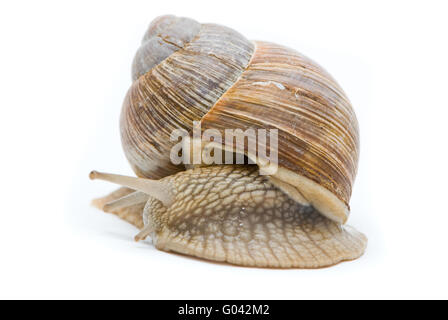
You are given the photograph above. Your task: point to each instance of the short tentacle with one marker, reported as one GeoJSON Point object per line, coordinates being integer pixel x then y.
{"type": "Point", "coordinates": [131, 199]}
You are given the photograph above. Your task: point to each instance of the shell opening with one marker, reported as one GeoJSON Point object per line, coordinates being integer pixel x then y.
{"type": "Point", "coordinates": [299, 188]}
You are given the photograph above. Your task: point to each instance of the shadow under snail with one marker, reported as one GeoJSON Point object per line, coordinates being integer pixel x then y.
{"type": "Point", "coordinates": [184, 72]}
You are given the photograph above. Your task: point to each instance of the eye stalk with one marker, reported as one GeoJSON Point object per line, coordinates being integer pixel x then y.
{"type": "Point", "coordinates": [154, 188]}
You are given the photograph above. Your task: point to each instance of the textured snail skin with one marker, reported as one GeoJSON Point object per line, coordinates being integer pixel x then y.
{"type": "Point", "coordinates": [232, 214]}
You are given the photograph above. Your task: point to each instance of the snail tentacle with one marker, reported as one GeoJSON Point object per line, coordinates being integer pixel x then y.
{"type": "Point", "coordinates": [131, 199]}
{"type": "Point", "coordinates": [144, 233]}
{"type": "Point", "coordinates": [154, 188]}
{"type": "Point", "coordinates": [130, 213]}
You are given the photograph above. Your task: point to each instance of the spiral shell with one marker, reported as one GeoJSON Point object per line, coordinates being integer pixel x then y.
{"type": "Point", "coordinates": [185, 71]}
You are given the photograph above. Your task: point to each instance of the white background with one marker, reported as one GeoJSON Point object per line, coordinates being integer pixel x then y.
{"type": "Point", "coordinates": [64, 71]}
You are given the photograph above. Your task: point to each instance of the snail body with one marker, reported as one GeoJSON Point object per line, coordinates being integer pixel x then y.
{"type": "Point", "coordinates": [186, 72]}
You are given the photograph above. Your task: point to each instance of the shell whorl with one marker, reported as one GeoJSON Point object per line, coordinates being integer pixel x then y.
{"type": "Point", "coordinates": [177, 91]}
{"type": "Point", "coordinates": [318, 140]}
{"type": "Point", "coordinates": [185, 71]}
{"type": "Point", "coordinates": [165, 35]}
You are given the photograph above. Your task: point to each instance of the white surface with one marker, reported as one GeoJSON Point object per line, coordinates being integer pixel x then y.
{"type": "Point", "coordinates": [64, 70]}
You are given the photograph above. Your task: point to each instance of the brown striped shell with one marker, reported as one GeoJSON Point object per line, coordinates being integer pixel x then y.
{"type": "Point", "coordinates": [185, 71]}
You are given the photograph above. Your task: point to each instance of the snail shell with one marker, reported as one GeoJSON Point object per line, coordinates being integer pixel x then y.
{"type": "Point", "coordinates": [185, 72]}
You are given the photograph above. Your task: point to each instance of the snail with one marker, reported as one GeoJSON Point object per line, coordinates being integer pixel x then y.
{"type": "Point", "coordinates": [185, 73]}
